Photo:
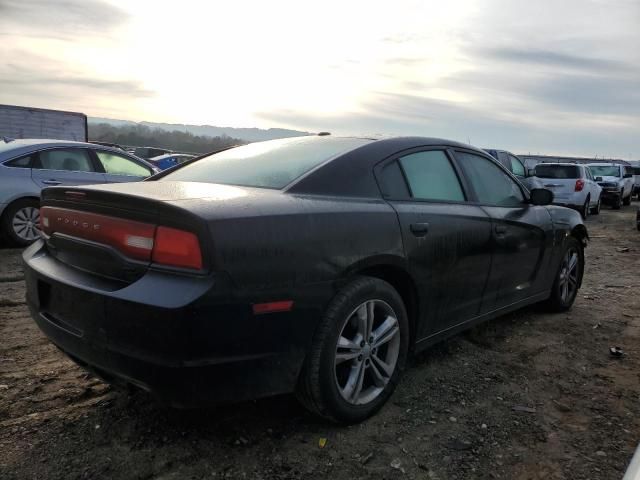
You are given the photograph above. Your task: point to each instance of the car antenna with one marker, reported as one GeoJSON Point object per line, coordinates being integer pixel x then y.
{"type": "Point", "coordinates": [324, 134]}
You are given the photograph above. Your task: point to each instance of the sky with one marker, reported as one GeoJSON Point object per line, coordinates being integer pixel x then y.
{"type": "Point", "coordinates": [548, 77]}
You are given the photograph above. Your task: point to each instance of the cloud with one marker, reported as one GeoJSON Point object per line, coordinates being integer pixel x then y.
{"type": "Point", "coordinates": [554, 59]}
{"type": "Point", "coordinates": [59, 18]}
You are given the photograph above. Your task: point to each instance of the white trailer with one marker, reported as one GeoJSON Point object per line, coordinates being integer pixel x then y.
{"type": "Point", "coordinates": [28, 122]}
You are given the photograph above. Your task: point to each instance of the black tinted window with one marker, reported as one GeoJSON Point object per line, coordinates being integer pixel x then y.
{"type": "Point", "coordinates": [491, 184]}
{"type": "Point", "coordinates": [392, 182]}
{"type": "Point", "coordinates": [271, 164]}
{"type": "Point", "coordinates": [431, 176]}
{"type": "Point", "coordinates": [557, 171]}
{"type": "Point", "coordinates": [22, 162]}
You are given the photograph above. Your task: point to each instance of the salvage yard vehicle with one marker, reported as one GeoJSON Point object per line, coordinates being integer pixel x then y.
{"type": "Point", "coordinates": [310, 264]}
{"type": "Point", "coordinates": [616, 182]}
{"type": "Point", "coordinates": [572, 185]}
{"type": "Point", "coordinates": [516, 166]}
{"type": "Point", "coordinates": [27, 166]}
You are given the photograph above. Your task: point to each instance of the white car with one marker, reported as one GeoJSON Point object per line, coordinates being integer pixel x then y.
{"type": "Point", "coordinates": [572, 185]}
{"type": "Point", "coordinates": [616, 181]}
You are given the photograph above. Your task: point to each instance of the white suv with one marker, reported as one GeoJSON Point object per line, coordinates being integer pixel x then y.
{"type": "Point", "coordinates": [572, 185]}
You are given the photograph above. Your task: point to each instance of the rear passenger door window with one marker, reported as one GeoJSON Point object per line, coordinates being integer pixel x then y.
{"type": "Point", "coordinates": [431, 176]}
{"type": "Point", "coordinates": [70, 160]}
{"type": "Point", "coordinates": [490, 183]}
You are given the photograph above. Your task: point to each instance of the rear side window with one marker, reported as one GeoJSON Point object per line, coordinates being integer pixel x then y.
{"type": "Point", "coordinates": [270, 164]}
{"type": "Point", "coordinates": [557, 171]}
{"type": "Point", "coordinates": [431, 176]}
{"type": "Point", "coordinates": [22, 162]}
{"type": "Point", "coordinates": [491, 185]}
{"type": "Point", "coordinates": [392, 182]}
{"type": "Point", "coordinates": [72, 159]}
{"type": "Point", "coordinates": [115, 164]}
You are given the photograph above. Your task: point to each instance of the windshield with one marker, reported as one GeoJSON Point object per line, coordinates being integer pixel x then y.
{"type": "Point", "coordinates": [271, 164]}
{"type": "Point", "coordinates": [557, 171]}
{"type": "Point", "coordinates": [605, 170]}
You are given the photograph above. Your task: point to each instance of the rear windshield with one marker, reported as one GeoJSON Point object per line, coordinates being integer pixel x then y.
{"type": "Point", "coordinates": [271, 164]}
{"type": "Point", "coordinates": [605, 170]}
{"type": "Point", "coordinates": [557, 171]}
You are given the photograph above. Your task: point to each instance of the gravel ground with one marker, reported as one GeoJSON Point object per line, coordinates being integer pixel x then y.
{"type": "Point", "coordinates": [527, 396]}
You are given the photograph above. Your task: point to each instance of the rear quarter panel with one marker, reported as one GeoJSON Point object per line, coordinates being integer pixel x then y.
{"type": "Point", "coordinates": [16, 183]}
{"type": "Point", "coordinates": [290, 242]}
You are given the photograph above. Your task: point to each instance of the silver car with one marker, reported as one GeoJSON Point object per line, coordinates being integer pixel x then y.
{"type": "Point", "coordinates": [28, 166]}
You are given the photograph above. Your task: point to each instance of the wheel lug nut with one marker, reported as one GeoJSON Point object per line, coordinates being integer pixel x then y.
{"type": "Point", "coordinates": [360, 357]}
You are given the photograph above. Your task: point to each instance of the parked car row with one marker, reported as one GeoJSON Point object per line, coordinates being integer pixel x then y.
{"type": "Point", "coordinates": [28, 166]}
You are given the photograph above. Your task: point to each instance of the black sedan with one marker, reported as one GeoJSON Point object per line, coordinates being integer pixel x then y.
{"type": "Point", "coordinates": [312, 264]}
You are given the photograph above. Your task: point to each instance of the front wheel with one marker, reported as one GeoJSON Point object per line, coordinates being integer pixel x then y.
{"type": "Point", "coordinates": [627, 201]}
{"type": "Point", "coordinates": [617, 203]}
{"type": "Point", "coordinates": [568, 278]}
{"type": "Point", "coordinates": [359, 352]}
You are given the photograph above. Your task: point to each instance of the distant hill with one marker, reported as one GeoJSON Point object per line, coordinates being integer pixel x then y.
{"type": "Point", "coordinates": [247, 134]}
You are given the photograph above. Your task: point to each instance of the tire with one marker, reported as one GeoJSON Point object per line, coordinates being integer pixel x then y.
{"type": "Point", "coordinates": [596, 210]}
{"type": "Point", "coordinates": [617, 203]}
{"type": "Point", "coordinates": [584, 211]}
{"type": "Point", "coordinates": [627, 201]}
{"type": "Point", "coordinates": [324, 383]}
{"type": "Point", "coordinates": [560, 299]}
{"type": "Point", "coordinates": [19, 222]}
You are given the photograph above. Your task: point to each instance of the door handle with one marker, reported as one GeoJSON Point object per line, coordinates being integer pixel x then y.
{"type": "Point", "coordinates": [51, 182]}
{"type": "Point", "coordinates": [419, 229]}
{"type": "Point", "coordinates": [500, 229]}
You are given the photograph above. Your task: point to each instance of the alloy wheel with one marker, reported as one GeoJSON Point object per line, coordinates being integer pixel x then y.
{"type": "Point", "coordinates": [26, 223]}
{"type": "Point", "coordinates": [367, 352]}
{"type": "Point", "coordinates": [568, 276]}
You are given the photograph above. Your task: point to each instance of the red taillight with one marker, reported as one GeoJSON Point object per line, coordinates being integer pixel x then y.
{"type": "Point", "coordinates": [133, 239]}
{"type": "Point", "coordinates": [177, 248]}
{"type": "Point", "coordinates": [579, 185]}
{"type": "Point", "coordinates": [137, 240]}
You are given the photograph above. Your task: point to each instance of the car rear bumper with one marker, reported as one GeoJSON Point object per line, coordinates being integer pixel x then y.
{"type": "Point", "coordinates": [180, 339]}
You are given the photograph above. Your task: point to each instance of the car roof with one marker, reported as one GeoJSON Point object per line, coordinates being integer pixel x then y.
{"type": "Point", "coordinates": [349, 173]}
{"type": "Point", "coordinates": [171, 155]}
{"type": "Point", "coordinates": [23, 146]}
{"type": "Point", "coordinates": [559, 164]}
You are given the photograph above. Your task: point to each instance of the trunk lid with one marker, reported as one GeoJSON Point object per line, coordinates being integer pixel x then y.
{"type": "Point", "coordinates": [112, 230]}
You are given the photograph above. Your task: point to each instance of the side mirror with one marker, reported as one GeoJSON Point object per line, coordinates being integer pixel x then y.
{"type": "Point", "coordinates": [531, 172]}
{"type": "Point", "coordinates": [627, 175]}
{"type": "Point", "coordinates": [541, 196]}
{"type": "Point", "coordinates": [598, 179]}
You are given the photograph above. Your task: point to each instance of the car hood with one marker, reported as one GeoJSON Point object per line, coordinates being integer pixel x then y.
{"type": "Point", "coordinates": [610, 179]}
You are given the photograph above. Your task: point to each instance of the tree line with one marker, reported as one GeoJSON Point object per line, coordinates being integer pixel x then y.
{"type": "Point", "coordinates": [143, 136]}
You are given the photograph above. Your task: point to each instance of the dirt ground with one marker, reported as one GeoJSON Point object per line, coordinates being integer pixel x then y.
{"type": "Point", "coordinates": [527, 396]}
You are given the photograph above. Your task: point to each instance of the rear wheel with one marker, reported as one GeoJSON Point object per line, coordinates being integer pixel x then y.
{"type": "Point", "coordinates": [359, 352]}
{"type": "Point", "coordinates": [584, 211]}
{"type": "Point", "coordinates": [596, 210]}
{"type": "Point", "coordinates": [21, 222]}
{"type": "Point", "coordinates": [569, 277]}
